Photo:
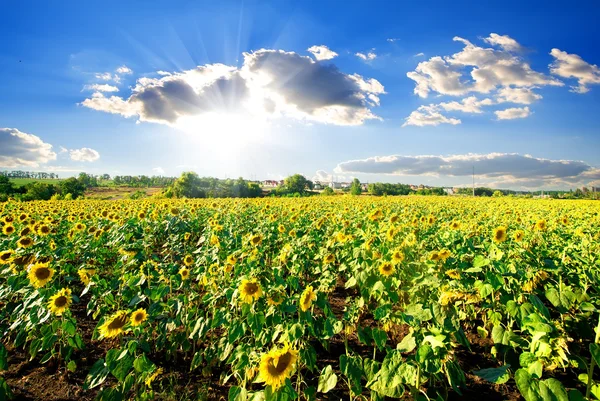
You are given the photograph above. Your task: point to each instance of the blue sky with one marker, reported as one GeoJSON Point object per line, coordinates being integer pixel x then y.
{"type": "Point", "coordinates": [231, 89]}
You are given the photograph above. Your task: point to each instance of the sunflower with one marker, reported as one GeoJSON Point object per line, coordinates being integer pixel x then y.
{"type": "Point", "coordinates": [250, 290]}
{"type": "Point", "coordinates": [397, 256]}
{"type": "Point", "coordinates": [519, 235]}
{"type": "Point", "coordinates": [8, 229]}
{"type": "Point", "coordinates": [184, 272]}
{"type": "Point", "coordinates": [453, 273]}
{"type": "Point", "coordinates": [6, 256]}
{"type": "Point", "coordinates": [113, 326]}
{"type": "Point", "coordinates": [307, 298]}
{"type": "Point", "coordinates": [24, 242]}
{"type": "Point", "coordinates": [187, 236]}
{"type": "Point", "coordinates": [231, 260]}
{"type": "Point", "coordinates": [43, 230]}
{"type": "Point", "coordinates": [499, 234]}
{"type": "Point", "coordinates": [256, 239]}
{"type": "Point", "coordinates": [329, 259]}
{"type": "Point", "coordinates": [277, 365]}
{"type": "Point", "coordinates": [445, 254]}
{"type": "Point", "coordinates": [40, 274]}
{"type": "Point", "coordinates": [281, 228]}
{"type": "Point", "coordinates": [275, 299]}
{"type": "Point", "coordinates": [455, 225]}
{"type": "Point", "coordinates": [541, 225]}
{"type": "Point", "coordinates": [410, 239]}
{"type": "Point", "coordinates": [188, 260]}
{"type": "Point", "coordinates": [60, 302]}
{"type": "Point", "coordinates": [434, 256]}
{"type": "Point", "coordinates": [25, 231]}
{"type": "Point", "coordinates": [138, 317]}
{"type": "Point", "coordinates": [85, 275]}
{"type": "Point", "coordinates": [386, 269]}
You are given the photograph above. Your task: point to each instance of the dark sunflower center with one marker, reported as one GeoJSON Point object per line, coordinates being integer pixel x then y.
{"type": "Point", "coordinates": [60, 301]}
{"type": "Point", "coordinates": [251, 288]}
{"type": "Point", "coordinates": [139, 317]}
{"type": "Point", "coordinates": [255, 240]}
{"type": "Point", "coordinates": [5, 256]}
{"type": "Point", "coordinates": [118, 323]}
{"type": "Point", "coordinates": [282, 364]}
{"type": "Point", "coordinates": [42, 273]}
{"type": "Point", "coordinates": [387, 268]}
{"type": "Point", "coordinates": [499, 234]}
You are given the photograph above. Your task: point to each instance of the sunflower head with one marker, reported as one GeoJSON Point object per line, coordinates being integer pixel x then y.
{"type": "Point", "coordinates": [445, 254]}
{"type": "Point", "coordinates": [397, 256]}
{"type": "Point", "coordinates": [6, 256]}
{"type": "Point", "coordinates": [114, 325]}
{"type": "Point", "coordinates": [330, 258]}
{"type": "Point", "coordinates": [541, 225]}
{"type": "Point", "coordinates": [138, 317]}
{"type": "Point", "coordinates": [60, 302]}
{"type": "Point", "coordinates": [307, 298]}
{"type": "Point", "coordinates": [8, 229]}
{"type": "Point", "coordinates": [455, 225]}
{"type": "Point", "coordinates": [184, 272]}
{"type": "Point", "coordinates": [25, 242]}
{"type": "Point", "coordinates": [250, 291]}
{"type": "Point", "coordinates": [277, 365]}
{"type": "Point", "coordinates": [43, 230]}
{"type": "Point", "coordinates": [255, 240]}
{"type": "Point", "coordinates": [40, 274]}
{"type": "Point", "coordinates": [386, 269]}
{"type": "Point", "coordinates": [499, 234]}
{"type": "Point", "coordinates": [188, 260]}
{"type": "Point", "coordinates": [519, 235]}
{"type": "Point", "coordinates": [434, 256]}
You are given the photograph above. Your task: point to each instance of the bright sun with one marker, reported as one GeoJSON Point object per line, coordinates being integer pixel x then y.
{"type": "Point", "coordinates": [223, 133]}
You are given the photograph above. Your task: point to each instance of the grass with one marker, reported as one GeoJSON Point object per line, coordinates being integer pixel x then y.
{"type": "Point", "coordinates": [24, 181]}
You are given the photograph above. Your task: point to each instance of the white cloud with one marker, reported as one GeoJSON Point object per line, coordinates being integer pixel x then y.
{"type": "Point", "coordinates": [322, 52]}
{"type": "Point", "coordinates": [62, 149]}
{"type": "Point", "coordinates": [370, 56]}
{"type": "Point", "coordinates": [476, 70]}
{"type": "Point", "coordinates": [270, 83]}
{"type": "Point", "coordinates": [573, 66]}
{"type": "Point", "coordinates": [499, 169]}
{"type": "Point", "coordinates": [428, 115]}
{"type": "Point", "coordinates": [158, 170]}
{"type": "Point", "coordinates": [517, 95]}
{"type": "Point", "coordinates": [419, 54]}
{"type": "Point", "coordinates": [468, 105]}
{"type": "Point", "coordinates": [84, 155]}
{"type": "Point", "coordinates": [392, 40]}
{"type": "Point", "coordinates": [101, 88]}
{"type": "Point", "coordinates": [512, 113]}
{"type": "Point", "coordinates": [104, 76]}
{"type": "Point", "coordinates": [163, 73]}
{"type": "Point", "coordinates": [18, 149]}
{"type": "Point", "coordinates": [123, 70]}
{"type": "Point", "coordinates": [504, 41]}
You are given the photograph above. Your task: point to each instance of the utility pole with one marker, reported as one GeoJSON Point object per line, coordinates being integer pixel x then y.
{"type": "Point", "coordinates": [473, 181]}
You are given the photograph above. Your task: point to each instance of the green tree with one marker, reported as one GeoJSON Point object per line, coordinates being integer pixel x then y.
{"type": "Point", "coordinates": [327, 191]}
{"type": "Point", "coordinates": [355, 188]}
{"type": "Point", "coordinates": [297, 183]}
{"type": "Point", "coordinates": [6, 186]}
{"type": "Point", "coordinates": [188, 185]}
{"type": "Point", "coordinates": [39, 191]}
{"type": "Point", "coordinates": [497, 194]}
{"type": "Point", "coordinates": [72, 186]}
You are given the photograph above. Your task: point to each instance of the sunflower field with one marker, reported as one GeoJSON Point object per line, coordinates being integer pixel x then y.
{"type": "Point", "coordinates": [354, 298]}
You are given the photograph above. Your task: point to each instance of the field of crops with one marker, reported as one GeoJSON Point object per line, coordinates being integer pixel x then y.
{"type": "Point", "coordinates": [350, 298]}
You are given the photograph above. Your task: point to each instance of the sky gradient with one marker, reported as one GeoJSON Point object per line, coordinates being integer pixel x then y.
{"type": "Point", "coordinates": [379, 90]}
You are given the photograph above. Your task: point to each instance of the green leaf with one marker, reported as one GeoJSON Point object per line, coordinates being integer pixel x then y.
{"type": "Point", "coordinates": [350, 283]}
{"type": "Point", "coordinates": [527, 386]}
{"type": "Point", "coordinates": [480, 261]}
{"type": "Point", "coordinates": [143, 365]}
{"type": "Point", "coordinates": [407, 344]}
{"type": "Point", "coordinates": [72, 366]}
{"type": "Point", "coordinates": [237, 394]}
{"type": "Point", "coordinates": [97, 375]}
{"type": "Point", "coordinates": [327, 380]}
{"type": "Point", "coordinates": [3, 357]}
{"type": "Point", "coordinates": [595, 351]}
{"type": "Point", "coordinates": [494, 375]}
{"type": "Point", "coordinates": [380, 338]}
{"type": "Point", "coordinates": [553, 390]}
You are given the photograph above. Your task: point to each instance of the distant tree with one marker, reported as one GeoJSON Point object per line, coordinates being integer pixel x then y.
{"type": "Point", "coordinates": [188, 185]}
{"type": "Point", "coordinates": [39, 191]}
{"type": "Point", "coordinates": [355, 188]}
{"type": "Point", "coordinates": [105, 177]}
{"type": "Point", "coordinates": [6, 186]}
{"type": "Point", "coordinates": [297, 183]}
{"type": "Point", "coordinates": [71, 186]}
{"type": "Point", "coordinates": [87, 180]}
{"type": "Point", "coordinates": [497, 194]}
{"type": "Point", "coordinates": [327, 191]}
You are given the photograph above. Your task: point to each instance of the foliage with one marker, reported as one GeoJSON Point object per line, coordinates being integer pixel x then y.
{"type": "Point", "coordinates": [355, 188]}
